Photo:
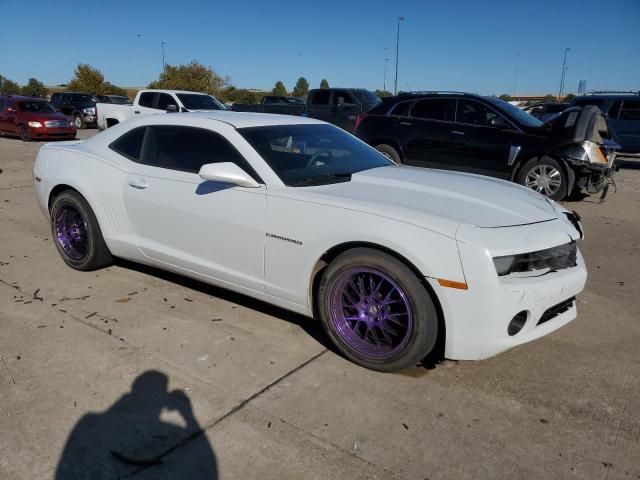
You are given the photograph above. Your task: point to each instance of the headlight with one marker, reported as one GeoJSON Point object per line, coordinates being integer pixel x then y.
{"type": "Point", "coordinates": [89, 111]}
{"type": "Point", "coordinates": [550, 259]}
{"type": "Point", "coordinates": [504, 264]}
{"type": "Point", "coordinates": [35, 124]}
{"type": "Point", "coordinates": [71, 124]}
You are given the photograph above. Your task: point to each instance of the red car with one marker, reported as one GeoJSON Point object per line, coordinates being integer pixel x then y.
{"type": "Point", "coordinates": [33, 118]}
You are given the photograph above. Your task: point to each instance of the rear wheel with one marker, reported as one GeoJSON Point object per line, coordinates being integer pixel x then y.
{"type": "Point", "coordinates": [376, 311]}
{"type": "Point", "coordinates": [25, 134]}
{"type": "Point", "coordinates": [76, 233]}
{"type": "Point", "coordinates": [389, 152]}
{"type": "Point", "coordinates": [546, 176]}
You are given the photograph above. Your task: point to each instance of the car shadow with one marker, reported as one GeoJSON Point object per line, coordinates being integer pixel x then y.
{"type": "Point", "coordinates": [311, 326]}
{"type": "Point", "coordinates": [131, 436]}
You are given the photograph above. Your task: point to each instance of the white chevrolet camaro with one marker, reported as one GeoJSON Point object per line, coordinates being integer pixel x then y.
{"type": "Point", "coordinates": [300, 214]}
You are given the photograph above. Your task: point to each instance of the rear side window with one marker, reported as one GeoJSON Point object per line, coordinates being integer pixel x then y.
{"type": "Point", "coordinates": [146, 99]}
{"type": "Point", "coordinates": [630, 110]}
{"type": "Point", "coordinates": [401, 109]}
{"type": "Point", "coordinates": [348, 99]}
{"type": "Point", "coordinates": [165, 147]}
{"type": "Point", "coordinates": [473, 113]}
{"type": "Point", "coordinates": [130, 144]}
{"type": "Point", "coordinates": [321, 97]}
{"type": "Point", "coordinates": [433, 109]}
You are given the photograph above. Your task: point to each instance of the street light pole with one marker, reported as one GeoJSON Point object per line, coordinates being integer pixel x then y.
{"type": "Point", "coordinates": [564, 69]}
{"type": "Point", "coordinates": [515, 77]}
{"type": "Point", "coordinates": [386, 63]}
{"type": "Point", "coordinates": [395, 86]}
{"type": "Point", "coordinates": [164, 68]}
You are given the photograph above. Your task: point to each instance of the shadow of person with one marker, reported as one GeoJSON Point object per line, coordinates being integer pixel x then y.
{"type": "Point", "coordinates": [131, 437]}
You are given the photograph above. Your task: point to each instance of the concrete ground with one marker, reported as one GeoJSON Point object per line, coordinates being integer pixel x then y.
{"type": "Point", "coordinates": [130, 372]}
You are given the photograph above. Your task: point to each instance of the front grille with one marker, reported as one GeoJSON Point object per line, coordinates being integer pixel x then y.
{"type": "Point", "coordinates": [556, 310]}
{"type": "Point", "coordinates": [56, 123]}
{"type": "Point", "coordinates": [555, 258]}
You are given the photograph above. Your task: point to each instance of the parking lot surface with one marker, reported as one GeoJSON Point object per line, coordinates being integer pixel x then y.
{"type": "Point", "coordinates": [132, 372]}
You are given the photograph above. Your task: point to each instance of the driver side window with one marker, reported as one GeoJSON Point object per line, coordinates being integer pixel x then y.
{"type": "Point", "coordinates": [475, 113]}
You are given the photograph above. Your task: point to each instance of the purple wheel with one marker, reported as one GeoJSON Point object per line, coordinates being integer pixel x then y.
{"type": "Point", "coordinates": [72, 231]}
{"type": "Point", "coordinates": [76, 232]}
{"type": "Point", "coordinates": [376, 310]}
{"type": "Point", "coordinates": [371, 312]}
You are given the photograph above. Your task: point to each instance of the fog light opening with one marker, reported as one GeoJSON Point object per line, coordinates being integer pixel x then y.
{"type": "Point", "coordinates": [516, 323]}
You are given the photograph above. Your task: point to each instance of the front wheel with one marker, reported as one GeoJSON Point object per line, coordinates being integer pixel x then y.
{"type": "Point", "coordinates": [546, 176]}
{"type": "Point", "coordinates": [25, 134]}
{"type": "Point", "coordinates": [76, 233]}
{"type": "Point", "coordinates": [376, 311]}
{"type": "Point", "coordinates": [79, 121]}
{"type": "Point", "coordinates": [389, 152]}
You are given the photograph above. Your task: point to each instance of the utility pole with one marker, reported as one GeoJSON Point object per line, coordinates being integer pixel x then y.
{"type": "Point", "coordinates": [164, 68]}
{"type": "Point", "coordinates": [564, 70]}
{"type": "Point", "coordinates": [386, 63]}
{"type": "Point", "coordinates": [395, 86]}
{"type": "Point", "coordinates": [515, 77]}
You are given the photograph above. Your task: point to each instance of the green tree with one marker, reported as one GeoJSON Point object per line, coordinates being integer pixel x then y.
{"type": "Point", "coordinates": [302, 88]}
{"type": "Point", "coordinates": [240, 95]}
{"type": "Point", "coordinates": [110, 89]}
{"type": "Point", "coordinates": [8, 87]}
{"type": "Point", "coordinates": [550, 98]}
{"type": "Point", "coordinates": [279, 89]}
{"type": "Point", "coordinates": [324, 83]}
{"type": "Point", "coordinates": [87, 79]}
{"type": "Point", "coordinates": [505, 97]}
{"type": "Point", "coordinates": [193, 77]}
{"type": "Point", "coordinates": [34, 88]}
{"type": "Point", "coordinates": [383, 93]}
{"type": "Point", "coordinates": [569, 97]}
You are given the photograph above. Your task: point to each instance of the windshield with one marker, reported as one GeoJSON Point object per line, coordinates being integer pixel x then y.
{"type": "Point", "coordinates": [304, 155]}
{"type": "Point", "coordinates": [368, 97]}
{"type": "Point", "coordinates": [196, 101]}
{"type": "Point", "coordinates": [83, 98]}
{"type": "Point", "coordinates": [295, 100]}
{"type": "Point", "coordinates": [119, 100]}
{"type": "Point", "coordinates": [36, 106]}
{"type": "Point", "coordinates": [518, 115]}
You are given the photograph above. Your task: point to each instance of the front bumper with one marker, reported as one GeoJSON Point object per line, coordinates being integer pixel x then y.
{"type": "Point", "coordinates": [477, 319]}
{"type": "Point", "coordinates": [53, 132]}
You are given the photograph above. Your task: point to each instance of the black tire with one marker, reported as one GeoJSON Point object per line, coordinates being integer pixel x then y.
{"type": "Point", "coordinates": [546, 169]}
{"type": "Point", "coordinates": [96, 253]}
{"type": "Point", "coordinates": [389, 152]}
{"type": "Point", "coordinates": [25, 135]}
{"type": "Point", "coordinates": [78, 119]}
{"type": "Point", "coordinates": [416, 342]}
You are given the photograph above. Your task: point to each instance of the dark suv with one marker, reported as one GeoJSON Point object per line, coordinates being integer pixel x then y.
{"type": "Point", "coordinates": [80, 106]}
{"type": "Point", "coordinates": [485, 135]}
{"type": "Point", "coordinates": [340, 106]}
{"type": "Point", "coordinates": [623, 110]}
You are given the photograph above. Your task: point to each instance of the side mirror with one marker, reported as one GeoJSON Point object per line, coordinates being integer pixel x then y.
{"type": "Point", "coordinates": [499, 122]}
{"type": "Point", "coordinates": [171, 108]}
{"type": "Point", "coordinates": [227, 172]}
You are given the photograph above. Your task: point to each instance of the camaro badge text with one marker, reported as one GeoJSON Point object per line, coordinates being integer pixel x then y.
{"type": "Point", "coordinates": [297, 242]}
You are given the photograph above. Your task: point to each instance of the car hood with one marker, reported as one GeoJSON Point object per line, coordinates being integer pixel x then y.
{"type": "Point", "coordinates": [42, 116]}
{"type": "Point", "coordinates": [421, 195]}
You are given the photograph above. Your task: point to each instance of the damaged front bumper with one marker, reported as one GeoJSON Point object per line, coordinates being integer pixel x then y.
{"type": "Point", "coordinates": [593, 165]}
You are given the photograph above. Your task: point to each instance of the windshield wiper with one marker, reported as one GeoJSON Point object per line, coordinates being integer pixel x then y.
{"type": "Point", "coordinates": [320, 179]}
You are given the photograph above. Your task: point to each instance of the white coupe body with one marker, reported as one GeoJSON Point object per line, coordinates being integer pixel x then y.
{"type": "Point", "coordinates": [268, 240]}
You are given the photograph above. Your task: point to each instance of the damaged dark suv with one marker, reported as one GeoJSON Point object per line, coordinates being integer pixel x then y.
{"type": "Point", "coordinates": [487, 136]}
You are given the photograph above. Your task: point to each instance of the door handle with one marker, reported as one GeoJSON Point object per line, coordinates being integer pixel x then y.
{"type": "Point", "coordinates": [457, 132]}
{"type": "Point", "coordinates": [138, 183]}
{"type": "Point", "coordinates": [136, 111]}
{"type": "Point", "coordinates": [407, 123]}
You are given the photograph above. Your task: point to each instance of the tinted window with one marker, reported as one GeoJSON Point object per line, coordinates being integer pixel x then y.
{"type": "Point", "coordinates": [615, 110]}
{"type": "Point", "coordinates": [474, 113]}
{"type": "Point", "coordinates": [303, 155]}
{"type": "Point", "coordinates": [83, 98]}
{"type": "Point", "coordinates": [367, 97]}
{"type": "Point", "coordinates": [166, 147]}
{"type": "Point", "coordinates": [321, 97]}
{"type": "Point", "coordinates": [164, 100]}
{"type": "Point", "coordinates": [146, 99]}
{"type": "Point", "coordinates": [348, 99]}
{"type": "Point", "coordinates": [118, 99]}
{"type": "Point", "coordinates": [130, 144]}
{"type": "Point", "coordinates": [196, 101]}
{"type": "Point", "coordinates": [2, 102]}
{"type": "Point", "coordinates": [55, 98]}
{"type": "Point", "coordinates": [433, 109]}
{"type": "Point", "coordinates": [401, 109]}
{"type": "Point", "coordinates": [520, 116]}
{"type": "Point", "coordinates": [630, 110]}
{"type": "Point", "coordinates": [36, 106]}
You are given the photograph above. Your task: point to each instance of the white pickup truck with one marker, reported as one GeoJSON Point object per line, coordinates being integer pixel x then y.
{"type": "Point", "coordinates": [151, 101]}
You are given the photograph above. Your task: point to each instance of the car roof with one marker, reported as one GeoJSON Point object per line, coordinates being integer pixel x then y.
{"type": "Point", "coordinates": [250, 119]}
{"type": "Point", "coordinates": [168, 90]}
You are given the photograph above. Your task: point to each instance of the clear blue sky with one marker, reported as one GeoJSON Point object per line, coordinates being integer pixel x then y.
{"type": "Point", "coordinates": [455, 45]}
